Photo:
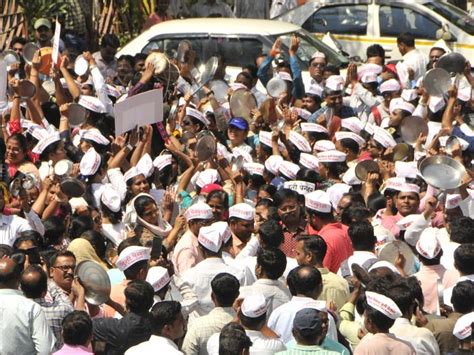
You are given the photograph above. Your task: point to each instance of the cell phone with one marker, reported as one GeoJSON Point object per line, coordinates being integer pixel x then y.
{"type": "Point", "coordinates": [156, 248]}
{"type": "Point", "coordinates": [33, 255]}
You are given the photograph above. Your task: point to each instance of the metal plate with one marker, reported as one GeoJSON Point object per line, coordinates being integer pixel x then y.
{"type": "Point", "coordinates": [401, 152]}
{"type": "Point", "coordinates": [210, 69]}
{"type": "Point", "coordinates": [453, 63]}
{"type": "Point", "coordinates": [63, 168]}
{"type": "Point", "coordinates": [184, 48]}
{"type": "Point", "coordinates": [437, 81]}
{"type": "Point", "coordinates": [220, 89]}
{"type": "Point", "coordinates": [77, 114]}
{"type": "Point", "coordinates": [29, 51]}
{"type": "Point", "coordinates": [242, 102]}
{"type": "Point", "coordinates": [442, 172]}
{"type": "Point", "coordinates": [451, 142]}
{"type": "Point", "coordinates": [365, 167]}
{"type": "Point", "coordinates": [205, 147]}
{"type": "Point", "coordinates": [411, 127]}
{"type": "Point", "coordinates": [237, 163]}
{"type": "Point", "coordinates": [27, 89]}
{"type": "Point", "coordinates": [81, 65]}
{"type": "Point", "coordinates": [95, 281]}
{"type": "Point", "coordinates": [390, 251]}
{"type": "Point", "coordinates": [276, 87]}
{"type": "Point", "coordinates": [10, 57]}
{"type": "Point", "coordinates": [159, 61]}
{"type": "Point", "coordinates": [73, 187]}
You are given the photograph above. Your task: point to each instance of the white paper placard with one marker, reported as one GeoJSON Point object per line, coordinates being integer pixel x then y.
{"type": "Point", "coordinates": [56, 38]}
{"type": "Point", "coordinates": [138, 110]}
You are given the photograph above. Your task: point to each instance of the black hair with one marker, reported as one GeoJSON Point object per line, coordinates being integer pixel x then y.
{"type": "Point", "coordinates": [77, 328]}
{"type": "Point", "coordinates": [80, 225]}
{"type": "Point", "coordinates": [131, 273]}
{"type": "Point", "coordinates": [247, 76]}
{"type": "Point", "coordinates": [225, 288]}
{"type": "Point", "coordinates": [22, 141]}
{"type": "Point", "coordinates": [114, 217]}
{"type": "Point", "coordinates": [128, 58]}
{"type": "Point", "coordinates": [355, 213]}
{"type": "Point", "coordinates": [97, 241]}
{"type": "Point", "coordinates": [38, 285]}
{"type": "Point", "coordinates": [59, 254]}
{"type": "Point", "coordinates": [54, 230]}
{"type": "Point", "coordinates": [375, 50]}
{"type": "Point", "coordinates": [462, 230]}
{"type": "Point", "coordinates": [285, 194]}
{"type": "Point", "coordinates": [128, 242]}
{"type": "Point", "coordinates": [335, 169]}
{"type": "Point", "coordinates": [350, 144]}
{"type": "Point", "coordinates": [271, 233]}
{"type": "Point", "coordinates": [164, 313]}
{"type": "Point", "coordinates": [308, 175]}
{"type": "Point", "coordinates": [220, 194]}
{"type": "Point", "coordinates": [109, 40]}
{"type": "Point", "coordinates": [251, 69]}
{"type": "Point", "coordinates": [321, 215]}
{"type": "Point", "coordinates": [401, 293]}
{"type": "Point", "coordinates": [362, 236]}
{"type": "Point", "coordinates": [141, 203]}
{"type": "Point", "coordinates": [464, 258]}
{"type": "Point", "coordinates": [375, 202]}
{"type": "Point", "coordinates": [139, 56]}
{"type": "Point", "coordinates": [5, 250]}
{"type": "Point", "coordinates": [17, 39]}
{"type": "Point", "coordinates": [303, 280]}
{"type": "Point", "coordinates": [29, 235]}
{"type": "Point", "coordinates": [50, 149]}
{"type": "Point", "coordinates": [252, 323]}
{"type": "Point", "coordinates": [332, 69]}
{"type": "Point", "coordinates": [415, 288]}
{"type": "Point", "coordinates": [51, 113]}
{"type": "Point", "coordinates": [139, 296]}
{"type": "Point", "coordinates": [380, 320]}
{"type": "Point", "coordinates": [315, 245]}
{"type": "Point", "coordinates": [407, 39]}
{"type": "Point", "coordinates": [462, 296]}
{"type": "Point", "coordinates": [272, 261]}
{"type": "Point", "coordinates": [269, 189]}
{"type": "Point", "coordinates": [317, 136]}
{"type": "Point", "coordinates": [233, 339]}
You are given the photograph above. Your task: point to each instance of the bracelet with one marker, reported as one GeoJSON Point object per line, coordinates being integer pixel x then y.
{"type": "Point", "coordinates": [129, 147]}
{"type": "Point", "coordinates": [17, 97]}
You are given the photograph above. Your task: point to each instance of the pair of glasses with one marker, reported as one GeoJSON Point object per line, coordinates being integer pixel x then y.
{"type": "Point", "coordinates": [65, 268]}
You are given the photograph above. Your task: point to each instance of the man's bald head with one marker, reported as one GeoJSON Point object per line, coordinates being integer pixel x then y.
{"type": "Point", "coordinates": [305, 281]}
{"type": "Point", "coordinates": [34, 282]}
{"type": "Point", "coordinates": [9, 273]}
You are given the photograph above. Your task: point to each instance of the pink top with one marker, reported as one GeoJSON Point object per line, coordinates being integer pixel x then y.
{"type": "Point", "coordinates": [428, 277]}
{"type": "Point", "coordinates": [186, 253]}
{"type": "Point", "coordinates": [117, 295]}
{"type": "Point", "coordinates": [339, 245]}
{"type": "Point", "coordinates": [73, 350]}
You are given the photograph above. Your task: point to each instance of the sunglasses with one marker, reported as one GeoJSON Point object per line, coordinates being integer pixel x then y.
{"type": "Point", "coordinates": [65, 268]}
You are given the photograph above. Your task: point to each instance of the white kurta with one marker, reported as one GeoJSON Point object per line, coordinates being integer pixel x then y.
{"type": "Point", "coordinates": [422, 339]}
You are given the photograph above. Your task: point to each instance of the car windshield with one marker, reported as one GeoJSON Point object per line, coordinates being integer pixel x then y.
{"type": "Point", "coordinates": [454, 15]}
{"type": "Point", "coordinates": [308, 46]}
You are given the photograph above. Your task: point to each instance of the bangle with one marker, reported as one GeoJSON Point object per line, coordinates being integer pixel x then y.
{"type": "Point", "coordinates": [129, 147]}
{"type": "Point", "coordinates": [17, 97]}
{"type": "Point", "coordinates": [92, 67]}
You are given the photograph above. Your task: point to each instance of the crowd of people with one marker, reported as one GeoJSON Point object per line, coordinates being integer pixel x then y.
{"type": "Point", "coordinates": [306, 228]}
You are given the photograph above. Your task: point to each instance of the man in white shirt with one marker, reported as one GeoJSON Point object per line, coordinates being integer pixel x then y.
{"type": "Point", "coordinates": [24, 326]}
{"type": "Point", "coordinates": [168, 324]}
{"type": "Point", "coordinates": [305, 285]}
{"type": "Point", "coordinates": [11, 226]}
{"type": "Point", "coordinates": [413, 58]}
{"type": "Point", "coordinates": [225, 290]}
{"type": "Point", "coordinates": [421, 338]}
{"type": "Point", "coordinates": [199, 277]}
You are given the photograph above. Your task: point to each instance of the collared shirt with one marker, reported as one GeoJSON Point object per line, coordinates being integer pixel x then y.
{"type": "Point", "coordinates": [289, 243]}
{"type": "Point", "coordinates": [156, 343]}
{"type": "Point", "coordinates": [237, 246]}
{"type": "Point", "coordinates": [108, 70]}
{"type": "Point", "coordinates": [422, 339]}
{"type": "Point", "coordinates": [11, 227]}
{"type": "Point", "coordinates": [383, 344]}
{"type": "Point", "coordinates": [198, 334]}
{"type": "Point", "coordinates": [298, 349]}
{"type": "Point", "coordinates": [73, 350]}
{"type": "Point", "coordinates": [261, 344]}
{"type": "Point", "coordinates": [442, 330]}
{"type": "Point", "coordinates": [428, 277]}
{"type": "Point", "coordinates": [328, 345]}
{"type": "Point", "coordinates": [200, 276]}
{"type": "Point", "coordinates": [390, 222]}
{"type": "Point", "coordinates": [335, 288]}
{"type": "Point", "coordinates": [281, 320]}
{"type": "Point", "coordinates": [55, 308]}
{"type": "Point", "coordinates": [186, 253]}
{"type": "Point", "coordinates": [339, 245]}
{"type": "Point", "coordinates": [416, 60]}
{"type": "Point", "coordinates": [275, 292]}
{"type": "Point", "coordinates": [24, 328]}
{"type": "Point", "coordinates": [203, 9]}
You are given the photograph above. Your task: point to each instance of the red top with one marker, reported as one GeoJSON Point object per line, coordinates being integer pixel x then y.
{"type": "Point", "coordinates": [339, 245]}
{"type": "Point", "coordinates": [289, 243]}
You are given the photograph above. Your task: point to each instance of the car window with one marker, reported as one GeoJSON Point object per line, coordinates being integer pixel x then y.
{"type": "Point", "coordinates": [395, 20]}
{"type": "Point", "coordinates": [338, 19]}
{"type": "Point", "coordinates": [236, 51]}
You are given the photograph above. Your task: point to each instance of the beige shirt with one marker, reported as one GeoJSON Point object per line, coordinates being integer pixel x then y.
{"type": "Point", "coordinates": [422, 339]}
{"type": "Point", "coordinates": [383, 344]}
{"type": "Point", "coordinates": [335, 288]}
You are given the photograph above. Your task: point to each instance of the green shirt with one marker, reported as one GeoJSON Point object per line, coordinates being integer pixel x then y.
{"type": "Point", "coordinates": [298, 349]}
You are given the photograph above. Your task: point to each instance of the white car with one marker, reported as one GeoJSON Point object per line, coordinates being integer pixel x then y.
{"type": "Point", "coordinates": [240, 41]}
{"type": "Point", "coordinates": [356, 24]}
